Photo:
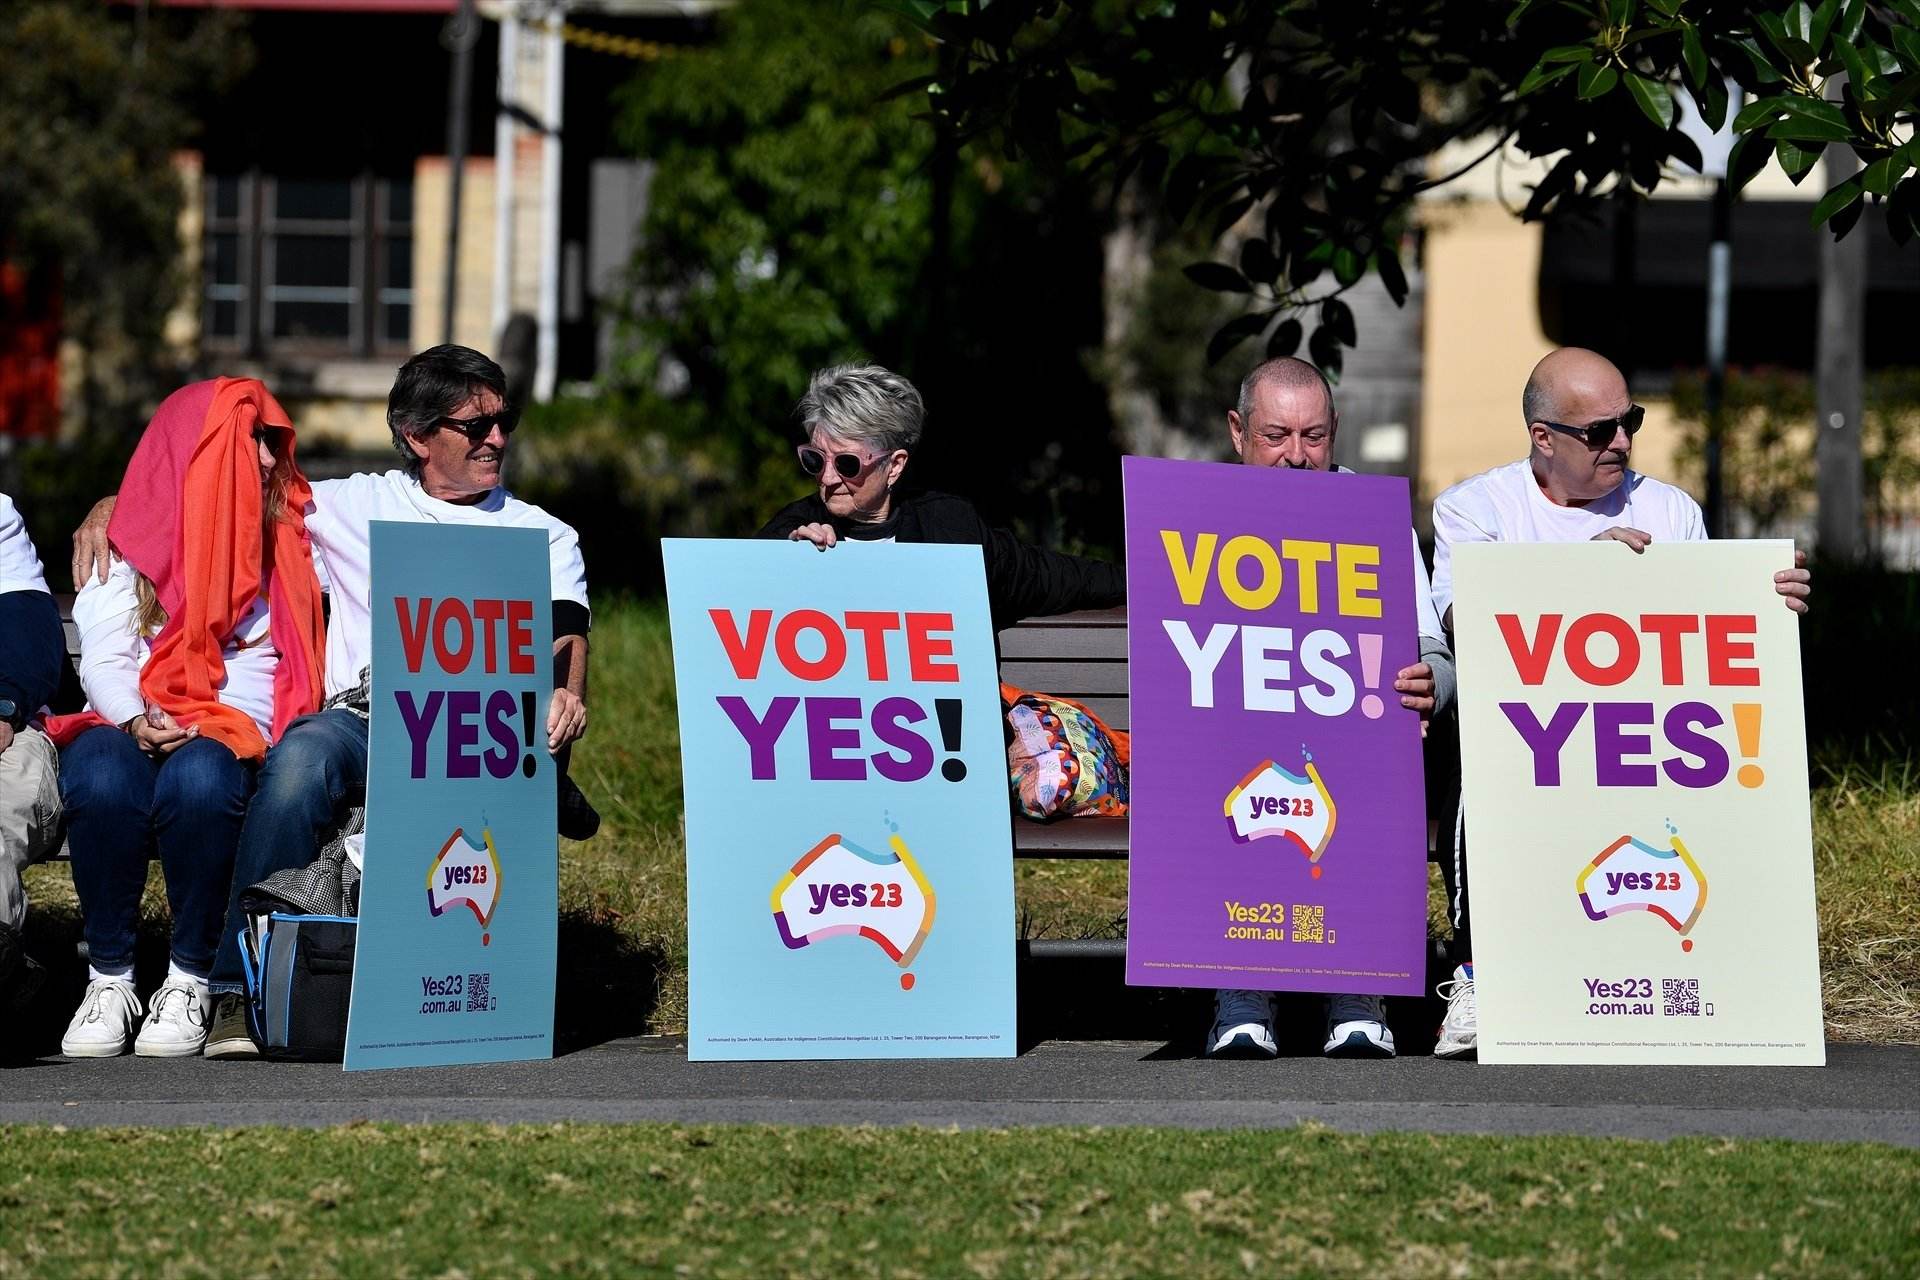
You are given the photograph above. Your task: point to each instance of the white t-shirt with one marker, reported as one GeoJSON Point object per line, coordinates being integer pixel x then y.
{"type": "Point", "coordinates": [19, 562]}
{"type": "Point", "coordinates": [339, 520]}
{"type": "Point", "coordinates": [1506, 505]}
{"type": "Point", "coordinates": [112, 652]}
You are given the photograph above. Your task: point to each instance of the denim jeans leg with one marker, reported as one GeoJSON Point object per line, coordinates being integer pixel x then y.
{"type": "Point", "coordinates": [319, 765]}
{"type": "Point", "coordinates": [106, 785]}
{"type": "Point", "coordinates": [199, 802]}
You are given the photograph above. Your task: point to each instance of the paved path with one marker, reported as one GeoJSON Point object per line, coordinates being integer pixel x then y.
{"type": "Point", "coordinates": [1865, 1093]}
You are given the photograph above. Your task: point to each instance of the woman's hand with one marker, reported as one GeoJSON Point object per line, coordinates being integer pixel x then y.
{"type": "Point", "coordinates": [820, 535]}
{"type": "Point", "coordinates": [157, 733]}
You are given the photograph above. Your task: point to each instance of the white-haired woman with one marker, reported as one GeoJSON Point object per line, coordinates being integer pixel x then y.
{"type": "Point", "coordinates": [863, 422]}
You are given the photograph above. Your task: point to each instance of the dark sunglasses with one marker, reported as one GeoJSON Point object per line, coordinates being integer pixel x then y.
{"type": "Point", "coordinates": [476, 430]}
{"type": "Point", "coordinates": [1598, 435]}
{"type": "Point", "coordinates": [845, 465]}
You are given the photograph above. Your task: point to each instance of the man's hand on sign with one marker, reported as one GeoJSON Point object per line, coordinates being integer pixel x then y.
{"type": "Point", "coordinates": [1795, 584]}
{"type": "Point", "coordinates": [1634, 538]}
{"type": "Point", "coordinates": [1415, 686]}
{"type": "Point", "coordinates": [566, 719]}
{"type": "Point", "coordinates": [820, 535]}
{"type": "Point", "coordinates": [92, 553]}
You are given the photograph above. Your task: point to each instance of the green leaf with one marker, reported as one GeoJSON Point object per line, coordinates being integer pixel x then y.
{"type": "Point", "coordinates": [1655, 99]}
{"type": "Point", "coordinates": [1667, 7]}
{"type": "Point", "coordinates": [1234, 332]}
{"type": "Point", "coordinates": [1856, 65]}
{"type": "Point", "coordinates": [1853, 16]}
{"type": "Point", "coordinates": [1596, 78]}
{"type": "Point", "coordinates": [1542, 76]}
{"type": "Point", "coordinates": [1906, 46]}
{"type": "Point", "coordinates": [1822, 23]}
{"type": "Point", "coordinates": [1884, 174]}
{"type": "Point", "coordinates": [1348, 266]}
{"type": "Point", "coordinates": [1714, 109]}
{"type": "Point", "coordinates": [1797, 52]}
{"type": "Point", "coordinates": [1798, 18]}
{"type": "Point", "coordinates": [1761, 111]}
{"type": "Point", "coordinates": [1749, 156]}
{"type": "Point", "coordinates": [1337, 316]}
{"type": "Point", "coordinates": [1219, 277]}
{"type": "Point", "coordinates": [1619, 12]}
{"type": "Point", "coordinates": [1568, 53]}
{"type": "Point", "coordinates": [1842, 222]}
{"type": "Point", "coordinates": [1695, 55]}
{"type": "Point", "coordinates": [1837, 199]}
{"type": "Point", "coordinates": [1796, 161]}
{"type": "Point", "coordinates": [1387, 263]}
{"type": "Point", "coordinates": [1285, 340]}
{"type": "Point", "coordinates": [1810, 120]}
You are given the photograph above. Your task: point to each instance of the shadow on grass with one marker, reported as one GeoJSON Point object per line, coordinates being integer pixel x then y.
{"type": "Point", "coordinates": [608, 987]}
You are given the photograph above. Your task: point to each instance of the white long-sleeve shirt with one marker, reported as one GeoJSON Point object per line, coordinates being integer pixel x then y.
{"type": "Point", "coordinates": [112, 652]}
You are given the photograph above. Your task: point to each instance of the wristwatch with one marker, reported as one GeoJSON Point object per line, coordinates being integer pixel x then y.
{"type": "Point", "coordinates": [10, 712]}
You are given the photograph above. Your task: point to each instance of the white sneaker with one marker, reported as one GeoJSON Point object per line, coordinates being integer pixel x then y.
{"type": "Point", "coordinates": [1242, 1025]}
{"type": "Point", "coordinates": [1357, 1028]}
{"type": "Point", "coordinates": [176, 1025]}
{"type": "Point", "coordinates": [1460, 1032]}
{"type": "Point", "coordinates": [102, 1026]}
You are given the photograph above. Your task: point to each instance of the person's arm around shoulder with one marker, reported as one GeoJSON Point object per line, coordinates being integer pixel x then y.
{"type": "Point", "coordinates": [93, 554]}
{"type": "Point", "coordinates": [572, 619]}
{"type": "Point", "coordinates": [1026, 581]}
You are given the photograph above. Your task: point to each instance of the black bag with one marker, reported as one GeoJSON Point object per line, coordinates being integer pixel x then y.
{"type": "Point", "coordinates": [297, 950]}
{"type": "Point", "coordinates": [299, 979]}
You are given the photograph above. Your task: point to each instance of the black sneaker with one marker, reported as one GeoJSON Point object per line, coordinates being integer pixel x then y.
{"type": "Point", "coordinates": [228, 1038]}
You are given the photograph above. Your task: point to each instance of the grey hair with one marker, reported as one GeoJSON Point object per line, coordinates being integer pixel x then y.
{"type": "Point", "coordinates": [1283, 371]}
{"type": "Point", "coordinates": [1536, 402]}
{"type": "Point", "coordinates": [866, 404]}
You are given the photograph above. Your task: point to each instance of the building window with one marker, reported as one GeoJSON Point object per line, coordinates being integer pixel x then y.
{"type": "Point", "coordinates": [317, 266]}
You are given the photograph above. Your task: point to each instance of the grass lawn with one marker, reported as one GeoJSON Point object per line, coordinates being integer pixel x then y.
{"type": "Point", "coordinates": [623, 894]}
{"type": "Point", "coordinates": [725, 1201]}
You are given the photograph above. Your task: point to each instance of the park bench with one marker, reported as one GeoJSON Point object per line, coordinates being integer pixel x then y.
{"type": "Point", "coordinates": [1082, 656]}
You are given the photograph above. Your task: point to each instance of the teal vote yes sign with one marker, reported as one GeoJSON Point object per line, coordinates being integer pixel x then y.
{"type": "Point", "coordinates": [849, 859]}
{"type": "Point", "coordinates": [458, 899]}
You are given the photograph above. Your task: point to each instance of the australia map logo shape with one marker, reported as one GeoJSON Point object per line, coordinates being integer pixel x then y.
{"type": "Point", "coordinates": [465, 874]}
{"type": "Point", "coordinates": [839, 890]}
{"type": "Point", "coordinates": [1272, 801]}
{"type": "Point", "coordinates": [1632, 875]}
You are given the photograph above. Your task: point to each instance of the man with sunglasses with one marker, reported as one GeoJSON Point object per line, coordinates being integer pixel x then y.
{"type": "Point", "coordinates": [1574, 485]}
{"type": "Point", "coordinates": [1286, 418]}
{"type": "Point", "coordinates": [452, 428]}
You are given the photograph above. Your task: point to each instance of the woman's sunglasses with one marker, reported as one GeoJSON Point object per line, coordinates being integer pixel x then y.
{"type": "Point", "coordinates": [1599, 435]}
{"type": "Point", "coordinates": [847, 466]}
{"type": "Point", "coordinates": [477, 429]}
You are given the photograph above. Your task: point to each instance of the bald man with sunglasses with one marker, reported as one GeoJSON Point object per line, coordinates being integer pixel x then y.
{"type": "Point", "coordinates": [1574, 485]}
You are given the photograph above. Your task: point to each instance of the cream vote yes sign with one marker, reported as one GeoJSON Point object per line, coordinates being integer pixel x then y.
{"type": "Point", "coordinates": [1638, 830]}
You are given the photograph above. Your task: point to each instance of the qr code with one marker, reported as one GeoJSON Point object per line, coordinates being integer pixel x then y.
{"type": "Point", "coordinates": [1309, 923]}
{"type": "Point", "coordinates": [1680, 997]}
{"type": "Point", "coordinates": [478, 997]}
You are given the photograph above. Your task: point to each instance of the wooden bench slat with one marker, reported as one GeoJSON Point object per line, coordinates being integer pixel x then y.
{"type": "Point", "coordinates": [1070, 838]}
{"type": "Point", "coordinates": [1066, 679]}
{"type": "Point", "coordinates": [1107, 644]}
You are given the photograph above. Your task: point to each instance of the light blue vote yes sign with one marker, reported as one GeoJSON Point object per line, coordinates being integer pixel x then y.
{"type": "Point", "coordinates": [456, 954]}
{"type": "Point", "coordinates": [849, 860]}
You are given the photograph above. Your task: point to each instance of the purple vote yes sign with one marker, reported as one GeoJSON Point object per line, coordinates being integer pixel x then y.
{"type": "Point", "coordinates": [1278, 809]}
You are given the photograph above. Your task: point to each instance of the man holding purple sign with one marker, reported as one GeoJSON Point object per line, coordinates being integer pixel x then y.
{"type": "Point", "coordinates": [1314, 563]}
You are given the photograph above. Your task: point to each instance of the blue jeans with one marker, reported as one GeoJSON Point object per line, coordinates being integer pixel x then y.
{"type": "Point", "coordinates": [317, 768]}
{"type": "Point", "coordinates": [123, 807]}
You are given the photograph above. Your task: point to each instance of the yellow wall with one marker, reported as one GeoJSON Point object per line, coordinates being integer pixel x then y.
{"type": "Point", "coordinates": [1483, 337]}
{"type": "Point", "coordinates": [473, 314]}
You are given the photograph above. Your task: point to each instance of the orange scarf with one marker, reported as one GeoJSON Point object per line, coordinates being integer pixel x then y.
{"type": "Point", "coordinates": [189, 517]}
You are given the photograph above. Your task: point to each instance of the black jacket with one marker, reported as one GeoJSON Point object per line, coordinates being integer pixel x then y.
{"type": "Point", "coordinates": [33, 649]}
{"type": "Point", "coordinates": [1023, 581]}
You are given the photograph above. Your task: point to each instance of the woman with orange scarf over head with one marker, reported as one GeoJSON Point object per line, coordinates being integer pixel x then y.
{"type": "Point", "coordinates": [200, 647]}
